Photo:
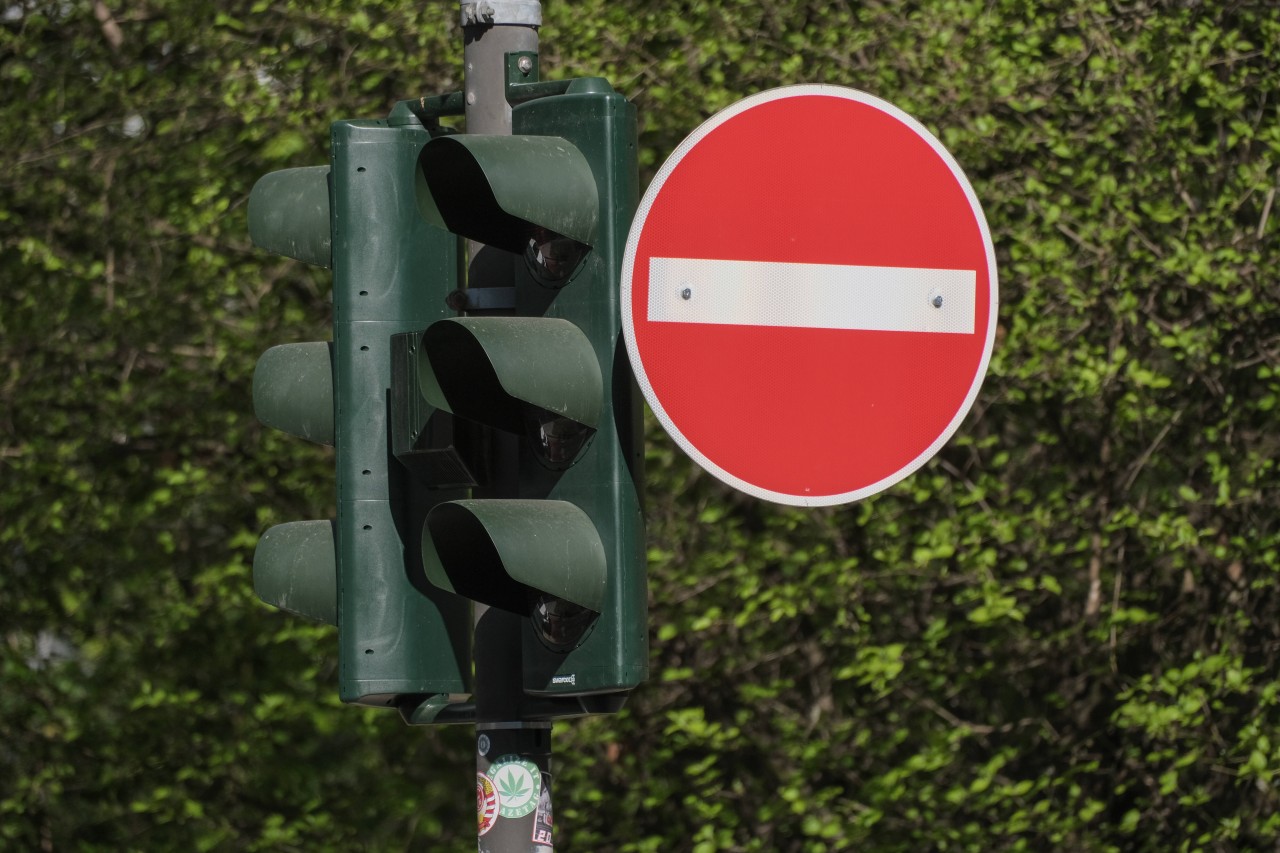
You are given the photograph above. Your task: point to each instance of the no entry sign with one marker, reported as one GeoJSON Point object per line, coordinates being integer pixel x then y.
{"type": "Point", "coordinates": [809, 295]}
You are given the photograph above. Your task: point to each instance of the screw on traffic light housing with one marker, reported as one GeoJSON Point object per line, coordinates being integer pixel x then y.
{"type": "Point", "coordinates": [560, 543]}
{"type": "Point", "coordinates": [401, 640]}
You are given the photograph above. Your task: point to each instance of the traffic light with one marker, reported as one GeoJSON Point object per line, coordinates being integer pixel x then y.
{"type": "Point", "coordinates": [554, 533]}
{"type": "Point", "coordinates": [402, 641]}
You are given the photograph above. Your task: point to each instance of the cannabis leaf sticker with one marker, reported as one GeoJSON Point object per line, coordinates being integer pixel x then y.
{"type": "Point", "coordinates": [518, 782]}
{"type": "Point", "coordinates": [514, 786]}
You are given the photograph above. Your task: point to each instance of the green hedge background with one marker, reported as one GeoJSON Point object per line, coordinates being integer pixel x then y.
{"type": "Point", "coordinates": [1062, 633]}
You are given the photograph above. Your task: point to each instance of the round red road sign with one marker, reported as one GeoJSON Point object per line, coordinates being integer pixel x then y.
{"type": "Point", "coordinates": [809, 295]}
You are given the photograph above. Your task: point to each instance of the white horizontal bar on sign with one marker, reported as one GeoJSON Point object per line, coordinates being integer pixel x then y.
{"type": "Point", "coordinates": [812, 296]}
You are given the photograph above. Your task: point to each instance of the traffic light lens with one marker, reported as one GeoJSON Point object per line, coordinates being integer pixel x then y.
{"type": "Point", "coordinates": [559, 624]}
{"type": "Point", "coordinates": [551, 258]}
{"type": "Point", "coordinates": [558, 442]}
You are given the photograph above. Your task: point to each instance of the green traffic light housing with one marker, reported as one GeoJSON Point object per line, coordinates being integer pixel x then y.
{"type": "Point", "coordinates": [554, 532]}
{"type": "Point", "coordinates": [401, 641]}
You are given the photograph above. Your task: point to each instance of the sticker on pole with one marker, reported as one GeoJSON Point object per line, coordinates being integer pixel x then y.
{"type": "Point", "coordinates": [486, 804]}
{"type": "Point", "coordinates": [518, 782]}
{"type": "Point", "coordinates": [809, 295]}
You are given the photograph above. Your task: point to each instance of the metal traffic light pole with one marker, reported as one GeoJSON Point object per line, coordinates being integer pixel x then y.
{"type": "Point", "coordinates": [513, 756]}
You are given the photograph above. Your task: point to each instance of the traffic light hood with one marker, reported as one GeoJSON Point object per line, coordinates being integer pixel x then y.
{"type": "Point", "coordinates": [477, 548]}
{"type": "Point", "coordinates": [289, 215]}
{"type": "Point", "coordinates": [490, 369]}
{"type": "Point", "coordinates": [508, 191]}
{"type": "Point", "coordinates": [295, 569]}
{"type": "Point", "coordinates": [293, 390]}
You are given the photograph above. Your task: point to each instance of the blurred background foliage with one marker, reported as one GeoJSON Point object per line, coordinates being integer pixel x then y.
{"type": "Point", "coordinates": [1062, 633]}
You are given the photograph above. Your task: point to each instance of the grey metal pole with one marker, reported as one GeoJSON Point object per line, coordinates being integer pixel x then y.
{"type": "Point", "coordinates": [513, 756]}
{"type": "Point", "coordinates": [490, 30]}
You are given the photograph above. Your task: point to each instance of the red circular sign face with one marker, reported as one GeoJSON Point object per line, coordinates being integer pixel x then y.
{"type": "Point", "coordinates": [809, 295]}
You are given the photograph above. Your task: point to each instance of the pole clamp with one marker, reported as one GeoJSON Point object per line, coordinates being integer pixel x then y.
{"type": "Point", "coordinates": [527, 13]}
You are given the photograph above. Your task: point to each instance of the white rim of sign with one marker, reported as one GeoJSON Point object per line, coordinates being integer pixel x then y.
{"type": "Point", "coordinates": [890, 317]}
